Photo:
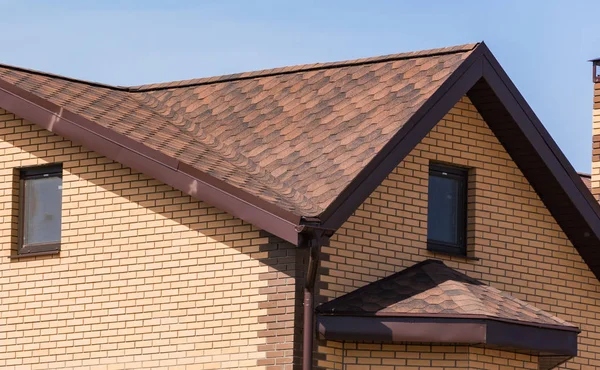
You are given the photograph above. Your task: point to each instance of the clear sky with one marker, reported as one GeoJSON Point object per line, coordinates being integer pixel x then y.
{"type": "Point", "coordinates": [543, 45]}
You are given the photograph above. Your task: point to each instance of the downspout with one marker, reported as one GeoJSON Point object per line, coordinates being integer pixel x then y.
{"type": "Point", "coordinates": [314, 236]}
{"type": "Point", "coordinates": [309, 303]}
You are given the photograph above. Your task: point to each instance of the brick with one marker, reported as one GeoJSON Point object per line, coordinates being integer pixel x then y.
{"type": "Point", "coordinates": [128, 285]}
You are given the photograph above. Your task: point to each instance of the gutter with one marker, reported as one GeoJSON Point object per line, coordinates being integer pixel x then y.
{"type": "Point", "coordinates": [151, 162]}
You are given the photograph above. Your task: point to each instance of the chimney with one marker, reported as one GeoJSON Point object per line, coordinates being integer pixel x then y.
{"type": "Point", "coordinates": [596, 130]}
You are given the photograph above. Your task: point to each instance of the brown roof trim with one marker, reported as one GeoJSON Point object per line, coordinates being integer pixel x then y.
{"type": "Point", "coordinates": [415, 129]}
{"type": "Point", "coordinates": [427, 316]}
{"type": "Point", "coordinates": [153, 163]}
{"type": "Point", "coordinates": [448, 330]}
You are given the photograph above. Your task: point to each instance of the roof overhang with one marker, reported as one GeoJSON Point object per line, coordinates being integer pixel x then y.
{"type": "Point", "coordinates": [150, 162]}
{"type": "Point", "coordinates": [554, 344]}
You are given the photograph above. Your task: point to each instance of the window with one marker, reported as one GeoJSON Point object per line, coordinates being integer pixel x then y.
{"type": "Point", "coordinates": [40, 209]}
{"type": "Point", "coordinates": [447, 209]}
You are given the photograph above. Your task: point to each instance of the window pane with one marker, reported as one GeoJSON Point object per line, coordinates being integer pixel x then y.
{"type": "Point", "coordinates": [42, 210]}
{"type": "Point", "coordinates": [443, 215]}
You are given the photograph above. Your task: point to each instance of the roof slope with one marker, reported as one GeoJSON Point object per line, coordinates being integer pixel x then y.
{"type": "Point", "coordinates": [294, 137]}
{"type": "Point", "coordinates": [432, 289]}
{"type": "Point", "coordinates": [432, 303]}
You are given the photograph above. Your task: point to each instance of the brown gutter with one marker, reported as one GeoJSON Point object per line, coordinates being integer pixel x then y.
{"type": "Point", "coordinates": [131, 153]}
{"type": "Point", "coordinates": [450, 317]}
{"type": "Point", "coordinates": [488, 331]}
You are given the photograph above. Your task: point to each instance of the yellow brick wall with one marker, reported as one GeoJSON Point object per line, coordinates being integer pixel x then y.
{"type": "Point", "coordinates": [146, 278]}
{"type": "Point", "coordinates": [520, 247]}
{"type": "Point", "coordinates": [371, 356]}
{"type": "Point", "coordinates": [491, 359]}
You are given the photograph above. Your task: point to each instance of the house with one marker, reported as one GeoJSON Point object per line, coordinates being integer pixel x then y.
{"type": "Point", "coordinates": [400, 212]}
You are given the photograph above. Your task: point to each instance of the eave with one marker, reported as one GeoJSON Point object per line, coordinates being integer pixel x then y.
{"type": "Point", "coordinates": [553, 345]}
{"type": "Point", "coordinates": [150, 162]}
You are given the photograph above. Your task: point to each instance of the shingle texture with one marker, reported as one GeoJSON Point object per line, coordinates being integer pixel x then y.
{"type": "Point", "coordinates": [432, 289]}
{"type": "Point", "coordinates": [295, 136]}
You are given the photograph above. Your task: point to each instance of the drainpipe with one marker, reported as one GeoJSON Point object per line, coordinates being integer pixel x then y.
{"type": "Point", "coordinates": [309, 303]}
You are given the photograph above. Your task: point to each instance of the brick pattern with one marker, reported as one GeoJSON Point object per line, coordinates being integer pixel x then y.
{"type": "Point", "coordinates": [146, 278]}
{"type": "Point", "coordinates": [370, 356]}
{"type": "Point", "coordinates": [595, 186]}
{"type": "Point", "coordinates": [491, 359]}
{"type": "Point", "coordinates": [521, 248]}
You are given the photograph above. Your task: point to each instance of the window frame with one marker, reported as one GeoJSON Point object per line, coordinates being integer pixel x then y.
{"type": "Point", "coordinates": [460, 174]}
{"type": "Point", "coordinates": [32, 173]}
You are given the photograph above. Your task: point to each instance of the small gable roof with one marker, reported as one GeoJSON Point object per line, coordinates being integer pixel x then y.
{"type": "Point", "coordinates": [432, 289]}
{"type": "Point", "coordinates": [300, 148]}
{"type": "Point", "coordinates": [431, 303]}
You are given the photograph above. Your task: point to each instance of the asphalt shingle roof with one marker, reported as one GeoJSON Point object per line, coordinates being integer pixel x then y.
{"type": "Point", "coordinates": [432, 289]}
{"type": "Point", "coordinates": [295, 137]}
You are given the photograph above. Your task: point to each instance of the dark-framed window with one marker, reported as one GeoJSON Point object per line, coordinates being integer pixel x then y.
{"type": "Point", "coordinates": [40, 206]}
{"type": "Point", "coordinates": [447, 209]}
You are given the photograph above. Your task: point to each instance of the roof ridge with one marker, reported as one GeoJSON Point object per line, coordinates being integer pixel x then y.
{"type": "Point", "coordinates": [396, 275]}
{"type": "Point", "coordinates": [254, 74]}
{"type": "Point", "coordinates": [66, 78]}
{"type": "Point", "coordinates": [304, 68]}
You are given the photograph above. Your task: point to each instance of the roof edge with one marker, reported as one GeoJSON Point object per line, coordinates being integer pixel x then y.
{"type": "Point", "coordinates": [304, 68]}
{"type": "Point", "coordinates": [426, 316]}
{"type": "Point", "coordinates": [124, 150]}
{"type": "Point", "coordinates": [255, 74]}
{"type": "Point", "coordinates": [443, 330]}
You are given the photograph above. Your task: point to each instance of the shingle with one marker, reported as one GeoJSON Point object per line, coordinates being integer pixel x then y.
{"type": "Point", "coordinates": [430, 288]}
{"type": "Point", "coordinates": [295, 136]}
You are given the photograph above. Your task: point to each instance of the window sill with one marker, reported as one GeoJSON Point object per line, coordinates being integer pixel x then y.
{"type": "Point", "coordinates": [35, 254]}
{"type": "Point", "coordinates": [434, 248]}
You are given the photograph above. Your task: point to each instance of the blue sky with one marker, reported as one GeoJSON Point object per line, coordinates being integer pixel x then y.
{"type": "Point", "coordinates": [543, 45]}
